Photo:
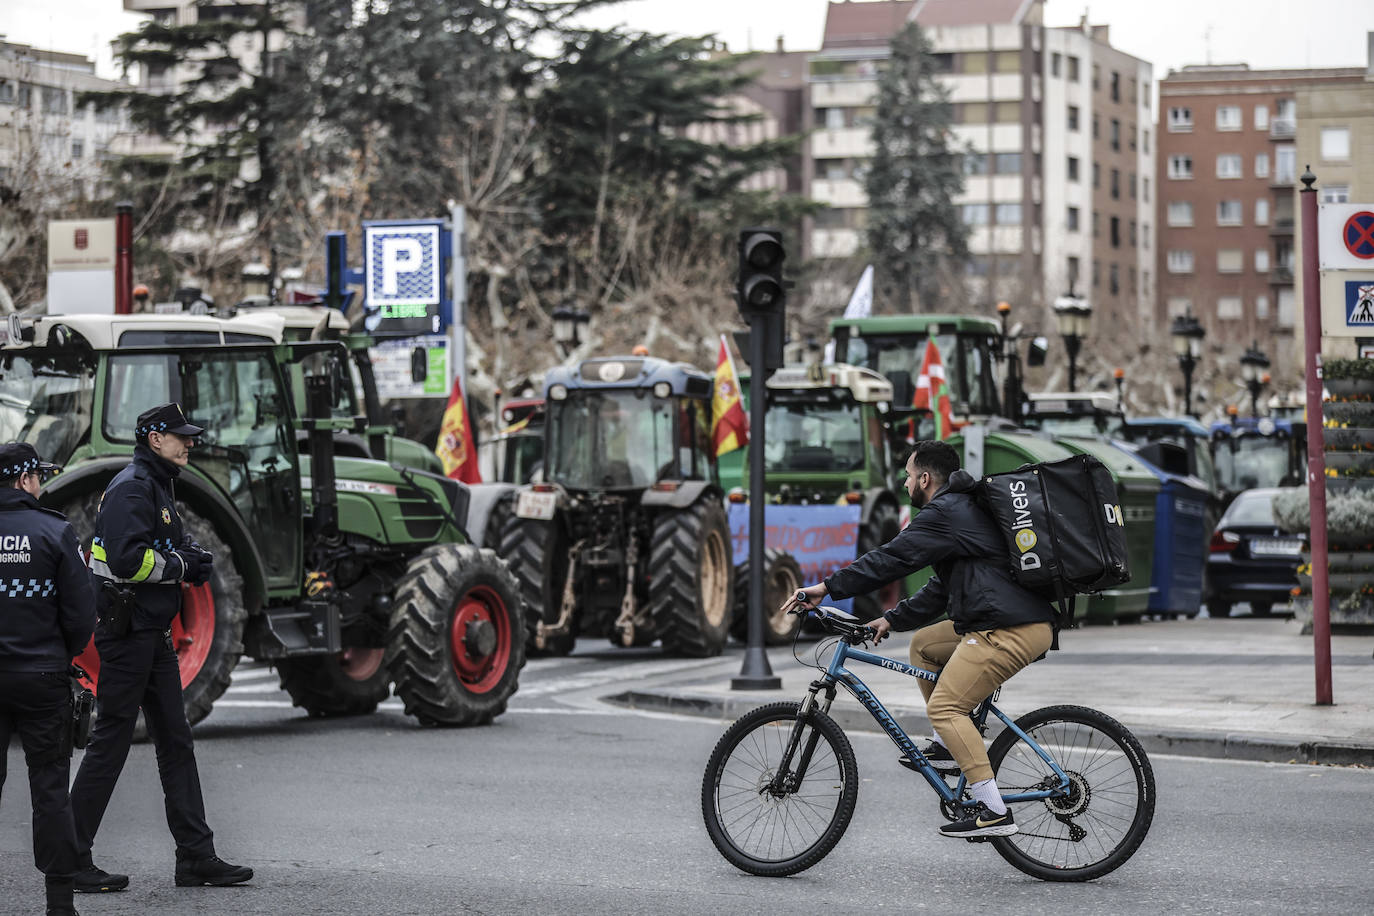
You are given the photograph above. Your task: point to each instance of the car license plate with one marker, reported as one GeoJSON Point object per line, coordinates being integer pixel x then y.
{"type": "Point", "coordinates": [1275, 547]}
{"type": "Point", "coordinates": [535, 505]}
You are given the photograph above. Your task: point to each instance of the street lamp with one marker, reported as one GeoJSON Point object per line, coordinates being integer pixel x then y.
{"type": "Point", "coordinates": [1119, 376]}
{"type": "Point", "coordinates": [567, 327]}
{"type": "Point", "coordinates": [1252, 366]}
{"type": "Point", "coordinates": [1073, 316]}
{"type": "Point", "coordinates": [1187, 336]}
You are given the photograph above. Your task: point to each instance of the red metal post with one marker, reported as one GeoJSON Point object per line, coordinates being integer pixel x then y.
{"type": "Point", "coordinates": [124, 258]}
{"type": "Point", "coordinates": [1316, 457]}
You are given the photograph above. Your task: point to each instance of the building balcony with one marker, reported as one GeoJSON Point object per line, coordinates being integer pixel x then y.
{"type": "Point", "coordinates": [843, 143]}
{"type": "Point", "coordinates": [1281, 226]}
{"type": "Point", "coordinates": [1281, 276]}
{"type": "Point", "coordinates": [1281, 181]}
{"type": "Point", "coordinates": [1283, 128]}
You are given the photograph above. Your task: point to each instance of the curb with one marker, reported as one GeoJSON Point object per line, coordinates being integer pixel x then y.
{"type": "Point", "coordinates": [1184, 742]}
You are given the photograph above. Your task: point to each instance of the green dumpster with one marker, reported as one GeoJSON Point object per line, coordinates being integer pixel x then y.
{"type": "Point", "coordinates": [1138, 490]}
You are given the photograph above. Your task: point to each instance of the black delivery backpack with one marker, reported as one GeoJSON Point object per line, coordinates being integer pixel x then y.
{"type": "Point", "coordinates": [1063, 527]}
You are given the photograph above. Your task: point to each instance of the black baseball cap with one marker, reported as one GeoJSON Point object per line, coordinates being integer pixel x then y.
{"type": "Point", "coordinates": [165, 418]}
{"type": "Point", "coordinates": [18, 457]}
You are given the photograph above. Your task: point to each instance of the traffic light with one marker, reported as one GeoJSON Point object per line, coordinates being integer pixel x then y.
{"type": "Point", "coordinates": [760, 287]}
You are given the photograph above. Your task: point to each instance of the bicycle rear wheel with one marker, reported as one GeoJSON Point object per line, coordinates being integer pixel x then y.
{"type": "Point", "coordinates": [770, 833]}
{"type": "Point", "coordinates": [1104, 818]}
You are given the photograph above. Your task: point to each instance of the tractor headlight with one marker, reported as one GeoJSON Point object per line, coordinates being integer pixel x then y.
{"type": "Point", "coordinates": [662, 390]}
{"type": "Point", "coordinates": [558, 393]}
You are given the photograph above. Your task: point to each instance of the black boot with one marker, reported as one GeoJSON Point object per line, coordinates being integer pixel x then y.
{"type": "Point", "coordinates": [94, 880]}
{"type": "Point", "coordinates": [213, 871]}
{"type": "Point", "coordinates": [60, 897]}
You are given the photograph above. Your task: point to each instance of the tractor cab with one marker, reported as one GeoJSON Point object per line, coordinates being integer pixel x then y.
{"type": "Point", "coordinates": [1084, 415]}
{"type": "Point", "coordinates": [1252, 452]}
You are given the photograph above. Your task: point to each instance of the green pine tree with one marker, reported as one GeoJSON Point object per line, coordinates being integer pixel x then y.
{"type": "Point", "coordinates": [917, 239]}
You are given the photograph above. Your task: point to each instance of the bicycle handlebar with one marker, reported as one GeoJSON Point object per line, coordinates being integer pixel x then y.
{"type": "Point", "coordinates": [837, 622]}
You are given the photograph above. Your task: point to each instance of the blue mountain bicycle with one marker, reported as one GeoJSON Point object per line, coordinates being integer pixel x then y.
{"type": "Point", "coordinates": [781, 784]}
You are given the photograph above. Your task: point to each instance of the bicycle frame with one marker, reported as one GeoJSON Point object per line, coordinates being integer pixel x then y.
{"type": "Point", "coordinates": [837, 673]}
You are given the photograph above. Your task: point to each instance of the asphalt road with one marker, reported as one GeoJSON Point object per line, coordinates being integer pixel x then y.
{"type": "Point", "coordinates": [566, 805]}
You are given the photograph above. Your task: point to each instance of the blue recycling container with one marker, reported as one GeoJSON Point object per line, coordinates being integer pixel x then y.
{"type": "Point", "coordinates": [1181, 537]}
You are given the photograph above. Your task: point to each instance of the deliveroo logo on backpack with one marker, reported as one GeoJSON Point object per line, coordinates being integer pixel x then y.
{"type": "Point", "coordinates": [1025, 535]}
{"type": "Point", "coordinates": [1114, 514]}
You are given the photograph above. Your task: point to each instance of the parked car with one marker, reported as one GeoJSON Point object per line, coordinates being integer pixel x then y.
{"type": "Point", "coordinates": [1249, 558]}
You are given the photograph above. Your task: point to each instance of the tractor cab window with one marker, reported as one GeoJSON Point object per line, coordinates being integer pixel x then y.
{"type": "Point", "coordinates": [1247, 462]}
{"type": "Point", "coordinates": [610, 439]}
{"type": "Point", "coordinates": [808, 433]}
{"type": "Point", "coordinates": [966, 359]}
{"type": "Point", "coordinates": [46, 402]}
{"type": "Point", "coordinates": [694, 449]}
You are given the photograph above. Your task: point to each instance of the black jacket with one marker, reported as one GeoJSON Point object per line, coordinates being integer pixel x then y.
{"type": "Point", "coordinates": [137, 531]}
{"type": "Point", "coordinates": [47, 611]}
{"type": "Point", "coordinates": [972, 580]}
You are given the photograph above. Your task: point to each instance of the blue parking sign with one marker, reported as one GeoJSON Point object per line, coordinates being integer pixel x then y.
{"type": "Point", "coordinates": [403, 265]}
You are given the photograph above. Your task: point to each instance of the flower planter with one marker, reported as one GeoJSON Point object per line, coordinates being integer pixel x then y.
{"type": "Point", "coordinates": [1359, 438]}
{"type": "Point", "coordinates": [1351, 561]}
{"type": "Point", "coordinates": [1346, 387]}
{"type": "Point", "coordinates": [1351, 464]}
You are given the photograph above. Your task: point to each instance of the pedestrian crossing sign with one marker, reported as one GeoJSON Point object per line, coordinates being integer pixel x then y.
{"type": "Point", "coordinates": [1359, 303]}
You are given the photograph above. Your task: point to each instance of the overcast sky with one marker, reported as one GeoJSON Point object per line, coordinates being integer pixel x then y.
{"type": "Point", "coordinates": [1168, 33]}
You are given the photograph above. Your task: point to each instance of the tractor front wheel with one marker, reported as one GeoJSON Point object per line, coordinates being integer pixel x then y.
{"type": "Point", "coordinates": [350, 683]}
{"type": "Point", "coordinates": [457, 638]}
{"type": "Point", "coordinates": [690, 579]}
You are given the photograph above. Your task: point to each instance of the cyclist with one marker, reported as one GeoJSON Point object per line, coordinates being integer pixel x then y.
{"type": "Point", "coordinates": [995, 627]}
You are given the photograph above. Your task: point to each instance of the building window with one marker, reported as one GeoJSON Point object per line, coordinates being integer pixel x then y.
{"type": "Point", "coordinates": [1116, 231]}
{"type": "Point", "coordinates": [1336, 194]}
{"type": "Point", "coordinates": [1097, 273]}
{"type": "Point", "coordinates": [1008, 214]}
{"type": "Point", "coordinates": [1180, 120]}
{"type": "Point", "coordinates": [1144, 141]}
{"type": "Point", "coordinates": [1229, 166]}
{"type": "Point", "coordinates": [1073, 69]}
{"type": "Point", "coordinates": [1180, 262]}
{"type": "Point", "coordinates": [1335, 143]}
{"type": "Point", "coordinates": [1073, 168]}
{"type": "Point", "coordinates": [1179, 306]}
{"type": "Point", "coordinates": [834, 118]}
{"type": "Point", "coordinates": [1008, 163]}
{"type": "Point", "coordinates": [1130, 184]}
{"type": "Point", "coordinates": [1116, 184]}
{"type": "Point", "coordinates": [1097, 223]}
{"type": "Point", "coordinates": [1097, 76]}
{"type": "Point", "coordinates": [1180, 166]}
{"type": "Point", "coordinates": [1229, 308]}
{"type": "Point", "coordinates": [1145, 190]}
{"type": "Point", "coordinates": [1262, 260]}
{"type": "Point", "coordinates": [1287, 307]}
{"type": "Point", "coordinates": [1073, 272]}
{"type": "Point", "coordinates": [975, 163]}
{"type": "Point", "coordinates": [1097, 175]}
{"type": "Point", "coordinates": [1262, 307]}
{"type": "Point", "coordinates": [6, 92]}
{"type": "Point", "coordinates": [1261, 117]}
{"type": "Point", "coordinates": [1262, 212]}
{"type": "Point", "coordinates": [1116, 86]}
{"type": "Point", "coordinates": [1073, 219]}
{"type": "Point", "coordinates": [1230, 260]}
{"type": "Point", "coordinates": [1130, 136]}
{"type": "Point", "coordinates": [1096, 122]}
{"type": "Point", "coordinates": [1007, 112]}
{"type": "Point", "coordinates": [78, 149]}
{"type": "Point", "coordinates": [1116, 135]}
{"type": "Point", "coordinates": [1285, 164]}
{"type": "Point", "coordinates": [1261, 165]}
{"type": "Point", "coordinates": [975, 214]}
{"type": "Point", "coordinates": [1132, 233]}
{"type": "Point", "coordinates": [1180, 213]}
{"type": "Point", "coordinates": [54, 100]}
{"type": "Point", "coordinates": [1113, 279]}
{"type": "Point", "coordinates": [1054, 63]}
{"type": "Point", "coordinates": [1073, 117]}
{"type": "Point", "coordinates": [1230, 213]}
{"type": "Point", "coordinates": [1228, 117]}
{"type": "Point", "coordinates": [1145, 236]}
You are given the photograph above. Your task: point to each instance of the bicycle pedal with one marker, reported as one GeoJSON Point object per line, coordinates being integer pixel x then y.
{"type": "Point", "coordinates": [977, 839]}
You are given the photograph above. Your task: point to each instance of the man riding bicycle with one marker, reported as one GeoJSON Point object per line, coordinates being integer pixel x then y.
{"type": "Point", "coordinates": [995, 627]}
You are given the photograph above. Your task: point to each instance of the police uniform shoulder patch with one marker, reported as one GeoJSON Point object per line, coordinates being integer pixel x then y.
{"type": "Point", "coordinates": [166, 516]}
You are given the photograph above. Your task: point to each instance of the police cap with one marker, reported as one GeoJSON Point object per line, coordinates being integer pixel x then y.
{"type": "Point", "coordinates": [165, 418]}
{"type": "Point", "coordinates": [19, 457]}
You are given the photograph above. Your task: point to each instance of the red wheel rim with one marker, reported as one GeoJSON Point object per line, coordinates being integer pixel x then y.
{"type": "Point", "coordinates": [479, 639]}
{"type": "Point", "coordinates": [89, 660]}
{"type": "Point", "coordinates": [360, 664]}
{"type": "Point", "coordinates": [193, 630]}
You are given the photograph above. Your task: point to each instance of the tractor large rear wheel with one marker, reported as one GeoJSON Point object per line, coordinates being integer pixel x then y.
{"type": "Point", "coordinates": [782, 576]}
{"type": "Point", "coordinates": [208, 633]}
{"type": "Point", "coordinates": [457, 638]}
{"type": "Point", "coordinates": [690, 579]}
{"type": "Point", "coordinates": [882, 526]}
{"type": "Point", "coordinates": [537, 553]}
{"type": "Point", "coordinates": [350, 683]}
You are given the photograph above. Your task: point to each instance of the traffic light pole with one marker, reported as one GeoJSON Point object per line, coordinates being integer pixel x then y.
{"type": "Point", "coordinates": [756, 673]}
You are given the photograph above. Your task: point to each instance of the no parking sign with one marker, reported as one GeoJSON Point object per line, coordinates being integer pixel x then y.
{"type": "Point", "coordinates": [1346, 233]}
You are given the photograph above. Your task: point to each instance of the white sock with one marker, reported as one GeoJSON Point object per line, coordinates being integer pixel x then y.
{"type": "Point", "coordinates": [985, 791]}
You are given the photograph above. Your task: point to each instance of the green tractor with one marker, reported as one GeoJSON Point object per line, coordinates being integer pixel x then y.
{"type": "Point", "coordinates": [346, 573]}
{"type": "Point", "coordinates": [830, 443]}
{"type": "Point", "coordinates": [625, 536]}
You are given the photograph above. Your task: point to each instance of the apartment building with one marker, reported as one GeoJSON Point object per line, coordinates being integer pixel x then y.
{"type": "Point", "coordinates": [1227, 172]}
{"type": "Point", "coordinates": [1057, 183]}
{"type": "Point", "coordinates": [47, 138]}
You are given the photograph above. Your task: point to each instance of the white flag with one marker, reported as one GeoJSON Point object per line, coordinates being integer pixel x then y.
{"type": "Point", "coordinates": [861, 303]}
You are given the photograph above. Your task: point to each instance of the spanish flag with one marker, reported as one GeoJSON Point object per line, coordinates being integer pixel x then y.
{"type": "Point", "coordinates": [729, 425]}
{"type": "Point", "coordinates": [455, 448]}
{"type": "Point", "coordinates": [932, 391]}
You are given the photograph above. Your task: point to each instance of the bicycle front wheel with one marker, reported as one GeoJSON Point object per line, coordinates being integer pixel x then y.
{"type": "Point", "coordinates": [773, 830]}
{"type": "Point", "coordinates": [1111, 801]}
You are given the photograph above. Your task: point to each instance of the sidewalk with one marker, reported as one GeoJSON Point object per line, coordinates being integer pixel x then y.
{"type": "Point", "coordinates": [1239, 688]}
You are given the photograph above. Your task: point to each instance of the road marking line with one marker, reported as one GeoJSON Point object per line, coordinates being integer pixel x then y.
{"type": "Point", "coordinates": [603, 676]}
{"type": "Point", "coordinates": [253, 674]}
{"type": "Point", "coordinates": [254, 688]}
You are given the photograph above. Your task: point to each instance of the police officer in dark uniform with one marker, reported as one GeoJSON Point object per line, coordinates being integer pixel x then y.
{"type": "Point", "coordinates": [139, 557]}
{"type": "Point", "coordinates": [47, 617]}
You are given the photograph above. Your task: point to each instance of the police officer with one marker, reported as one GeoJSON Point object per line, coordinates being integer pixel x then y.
{"type": "Point", "coordinates": [139, 557]}
{"type": "Point", "coordinates": [48, 616]}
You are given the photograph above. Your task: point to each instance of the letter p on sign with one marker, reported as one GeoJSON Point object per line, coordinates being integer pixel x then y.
{"type": "Point", "coordinates": [399, 255]}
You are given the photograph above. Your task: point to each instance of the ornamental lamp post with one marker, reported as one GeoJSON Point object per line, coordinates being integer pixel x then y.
{"type": "Point", "coordinates": [567, 327]}
{"type": "Point", "coordinates": [1252, 366]}
{"type": "Point", "coordinates": [1119, 376]}
{"type": "Point", "coordinates": [1073, 315]}
{"type": "Point", "coordinates": [1187, 335]}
